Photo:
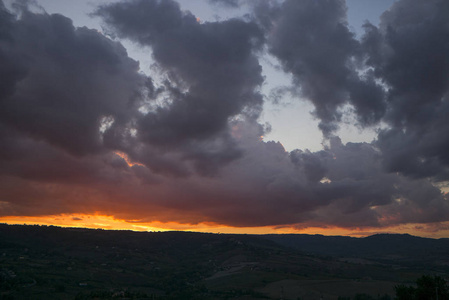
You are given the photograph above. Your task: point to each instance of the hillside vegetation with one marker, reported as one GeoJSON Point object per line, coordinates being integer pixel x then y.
{"type": "Point", "coordinates": [40, 262]}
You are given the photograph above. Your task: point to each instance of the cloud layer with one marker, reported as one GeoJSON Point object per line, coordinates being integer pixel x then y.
{"type": "Point", "coordinates": [82, 130]}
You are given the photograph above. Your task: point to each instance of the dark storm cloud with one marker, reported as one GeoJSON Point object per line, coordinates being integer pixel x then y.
{"type": "Point", "coordinates": [60, 81]}
{"type": "Point", "coordinates": [398, 74]}
{"type": "Point", "coordinates": [63, 92]}
{"type": "Point", "coordinates": [357, 190]}
{"type": "Point", "coordinates": [409, 53]}
{"type": "Point", "coordinates": [11, 69]}
{"type": "Point", "coordinates": [343, 185]}
{"type": "Point", "coordinates": [35, 160]}
{"type": "Point", "coordinates": [82, 131]}
{"type": "Point", "coordinates": [212, 68]}
{"type": "Point", "coordinates": [312, 41]}
{"type": "Point", "coordinates": [264, 188]}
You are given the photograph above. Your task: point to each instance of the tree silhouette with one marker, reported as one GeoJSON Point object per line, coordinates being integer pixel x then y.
{"type": "Point", "coordinates": [427, 288]}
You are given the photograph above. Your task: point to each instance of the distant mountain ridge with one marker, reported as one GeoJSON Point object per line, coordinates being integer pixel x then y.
{"type": "Point", "coordinates": [399, 247]}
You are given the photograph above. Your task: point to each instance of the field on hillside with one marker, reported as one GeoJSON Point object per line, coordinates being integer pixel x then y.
{"type": "Point", "coordinates": [39, 262]}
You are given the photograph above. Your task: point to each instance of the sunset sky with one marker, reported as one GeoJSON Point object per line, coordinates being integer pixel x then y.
{"type": "Point", "coordinates": [243, 116]}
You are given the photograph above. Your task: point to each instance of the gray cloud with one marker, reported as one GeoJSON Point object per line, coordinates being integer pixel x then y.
{"type": "Point", "coordinates": [61, 81]}
{"type": "Point", "coordinates": [312, 41]}
{"type": "Point", "coordinates": [396, 74]}
{"type": "Point", "coordinates": [409, 54]}
{"type": "Point", "coordinates": [82, 131]}
{"type": "Point", "coordinates": [212, 67]}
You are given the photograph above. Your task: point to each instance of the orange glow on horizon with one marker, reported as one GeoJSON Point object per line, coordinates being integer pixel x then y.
{"type": "Point", "coordinates": [98, 221]}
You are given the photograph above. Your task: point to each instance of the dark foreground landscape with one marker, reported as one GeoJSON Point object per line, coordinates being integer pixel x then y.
{"type": "Point", "coordinates": [40, 262]}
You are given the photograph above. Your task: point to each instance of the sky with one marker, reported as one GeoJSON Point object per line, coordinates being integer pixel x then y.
{"type": "Point", "coordinates": [243, 116]}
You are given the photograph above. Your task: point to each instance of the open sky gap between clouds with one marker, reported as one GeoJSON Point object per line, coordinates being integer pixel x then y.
{"type": "Point", "coordinates": [73, 105]}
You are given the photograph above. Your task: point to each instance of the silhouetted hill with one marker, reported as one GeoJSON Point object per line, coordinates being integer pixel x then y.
{"type": "Point", "coordinates": [48, 262]}
{"type": "Point", "coordinates": [381, 247]}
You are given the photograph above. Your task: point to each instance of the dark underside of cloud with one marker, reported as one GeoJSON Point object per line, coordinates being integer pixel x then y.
{"type": "Point", "coordinates": [82, 130]}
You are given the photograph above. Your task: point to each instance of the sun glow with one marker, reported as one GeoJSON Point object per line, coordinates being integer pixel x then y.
{"type": "Point", "coordinates": [94, 221]}
{"type": "Point", "coordinates": [127, 159]}
{"type": "Point", "coordinates": [99, 221]}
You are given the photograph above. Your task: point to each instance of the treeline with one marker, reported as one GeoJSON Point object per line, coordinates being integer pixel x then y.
{"type": "Point", "coordinates": [427, 288]}
{"type": "Point", "coordinates": [366, 297]}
